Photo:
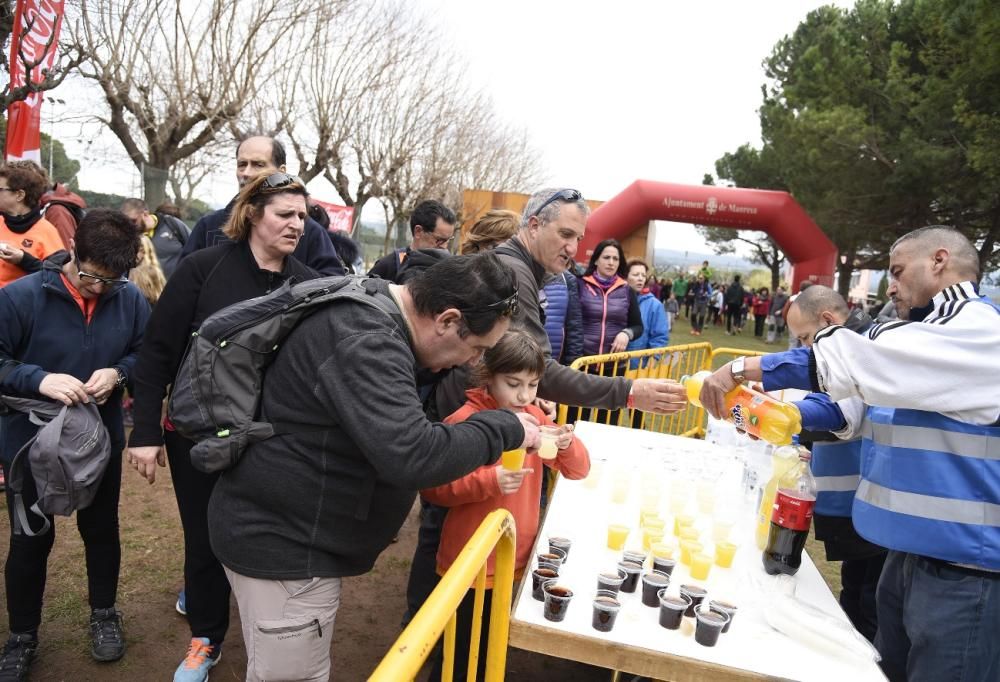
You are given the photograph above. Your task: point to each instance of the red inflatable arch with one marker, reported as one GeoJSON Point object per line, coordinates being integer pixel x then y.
{"type": "Point", "coordinates": [813, 255]}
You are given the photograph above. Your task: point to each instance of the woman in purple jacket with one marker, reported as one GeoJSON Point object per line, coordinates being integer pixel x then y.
{"type": "Point", "coordinates": [610, 308]}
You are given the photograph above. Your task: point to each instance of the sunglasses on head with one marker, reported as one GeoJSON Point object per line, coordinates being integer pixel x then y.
{"type": "Point", "coordinates": [564, 195]}
{"type": "Point", "coordinates": [279, 180]}
{"type": "Point", "coordinates": [506, 306]}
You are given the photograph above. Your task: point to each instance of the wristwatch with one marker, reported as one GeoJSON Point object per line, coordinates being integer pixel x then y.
{"type": "Point", "coordinates": [736, 367]}
{"type": "Point", "coordinates": [122, 379]}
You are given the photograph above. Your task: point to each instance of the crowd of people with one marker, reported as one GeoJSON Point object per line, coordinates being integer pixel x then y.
{"type": "Point", "coordinates": [459, 358]}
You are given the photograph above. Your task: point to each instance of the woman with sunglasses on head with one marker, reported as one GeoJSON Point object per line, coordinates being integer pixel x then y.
{"type": "Point", "coordinates": [266, 224]}
{"type": "Point", "coordinates": [26, 238]}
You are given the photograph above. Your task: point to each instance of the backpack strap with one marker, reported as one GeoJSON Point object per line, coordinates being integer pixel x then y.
{"type": "Point", "coordinates": [178, 231]}
{"type": "Point", "coordinates": [19, 517]}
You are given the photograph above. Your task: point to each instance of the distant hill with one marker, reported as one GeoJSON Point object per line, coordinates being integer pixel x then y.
{"type": "Point", "coordinates": [669, 258]}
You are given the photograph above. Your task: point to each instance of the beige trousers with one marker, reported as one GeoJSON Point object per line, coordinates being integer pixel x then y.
{"type": "Point", "coordinates": [287, 626]}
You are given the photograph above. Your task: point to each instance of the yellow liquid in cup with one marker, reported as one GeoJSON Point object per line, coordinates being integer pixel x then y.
{"type": "Point", "coordinates": [616, 536]}
{"type": "Point", "coordinates": [512, 460]}
{"type": "Point", "coordinates": [682, 522]}
{"type": "Point", "coordinates": [548, 449]}
{"type": "Point", "coordinates": [689, 547]}
{"type": "Point", "coordinates": [662, 550]}
{"type": "Point", "coordinates": [701, 564]}
{"type": "Point", "coordinates": [724, 553]}
{"type": "Point", "coordinates": [650, 537]}
{"type": "Point", "coordinates": [689, 533]}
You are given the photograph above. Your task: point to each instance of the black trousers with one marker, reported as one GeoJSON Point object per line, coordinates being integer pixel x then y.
{"type": "Point", "coordinates": [205, 584]}
{"type": "Point", "coordinates": [27, 557]}
{"type": "Point", "coordinates": [732, 316]}
{"type": "Point", "coordinates": [859, 579]}
{"type": "Point", "coordinates": [463, 639]}
{"type": "Point", "coordinates": [758, 325]}
{"type": "Point", "coordinates": [423, 569]}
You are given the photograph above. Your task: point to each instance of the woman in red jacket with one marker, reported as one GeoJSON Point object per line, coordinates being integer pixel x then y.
{"type": "Point", "coordinates": [761, 304]}
{"type": "Point", "coordinates": [506, 379]}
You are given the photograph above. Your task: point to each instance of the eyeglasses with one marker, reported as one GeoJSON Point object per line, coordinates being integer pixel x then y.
{"type": "Point", "coordinates": [564, 195]}
{"type": "Point", "coordinates": [279, 180]}
{"type": "Point", "coordinates": [8, 189]}
{"type": "Point", "coordinates": [441, 242]}
{"type": "Point", "coordinates": [506, 306]}
{"type": "Point", "coordinates": [110, 282]}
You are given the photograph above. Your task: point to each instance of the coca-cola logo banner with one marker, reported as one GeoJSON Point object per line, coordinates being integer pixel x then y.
{"type": "Point", "coordinates": [34, 43]}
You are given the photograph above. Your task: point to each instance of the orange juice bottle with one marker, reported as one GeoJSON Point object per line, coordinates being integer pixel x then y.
{"type": "Point", "coordinates": [758, 414]}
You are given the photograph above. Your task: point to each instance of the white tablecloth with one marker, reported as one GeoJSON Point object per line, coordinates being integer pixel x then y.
{"type": "Point", "coordinates": [582, 513]}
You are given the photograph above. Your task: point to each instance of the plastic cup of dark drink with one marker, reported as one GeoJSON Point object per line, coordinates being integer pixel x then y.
{"type": "Point", "coordinates": [554, 558]}
{"type": "Point", "coordinates": [696, 594]}
{"type": "Point", "coordinates": [726, 608]}
{"type": "Point", "coordinates": [672, 609]}
{"type": "Point", "coordinates": [709, 625]}
{"type": "Point", "coordinates": [562, 544]}
{"type": "Point", "coordinates": [634, 557]}
{"type": "Point", "coordinates": [652, 583]}
{"type": "Point", "coordinates": [632, 572]}
{"type": "Point", "coordinates": [612, 582]}
{"type": "Point", "coordinates": [539, 577]}
{"type": "Point", "coordinates": [557, 598]}
{"type": "Point", "coordinates": [664, 565]}
{"type": "Point", "coordinates": [606, 608]}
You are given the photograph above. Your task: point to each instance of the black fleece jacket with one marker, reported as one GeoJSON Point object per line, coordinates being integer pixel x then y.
{"type": "Point", "coordinates": [326, 500]}
{"type": "Point", "coordinates": [204, 283]}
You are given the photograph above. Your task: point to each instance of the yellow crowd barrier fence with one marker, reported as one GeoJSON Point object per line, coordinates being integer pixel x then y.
{"type": "Point", "coordinates": [671, 362]}
{"type": "Point", "coordinates": [439, 613]}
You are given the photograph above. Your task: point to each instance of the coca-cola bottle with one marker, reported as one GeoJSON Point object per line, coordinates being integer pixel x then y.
{"type": "Point", "coordinates": [790, 519]}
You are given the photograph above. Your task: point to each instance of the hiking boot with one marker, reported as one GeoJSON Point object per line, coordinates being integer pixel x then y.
{"type": "Point", "coordinates": [181, 605]}
{"type": "Point", "coordinates": [201, 658]}
{"type": "Point", "coordinates": [107, 639]}
{"type": "Point", "coordinates": [17, 655]}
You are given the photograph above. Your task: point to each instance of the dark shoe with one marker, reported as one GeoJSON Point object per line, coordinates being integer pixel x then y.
{"type": "Point", "coordinates": [106, 635]}
{"type": "Point", "coordinates": [17, 655]}
{"type": "Point", "coordinates": [181, 605]}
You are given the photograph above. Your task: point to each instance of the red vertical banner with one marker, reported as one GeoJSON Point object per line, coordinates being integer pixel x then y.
{"type": "Point", "coordinates": [33, 46]}
{"type": "Point", "coordinates": [341, 217]}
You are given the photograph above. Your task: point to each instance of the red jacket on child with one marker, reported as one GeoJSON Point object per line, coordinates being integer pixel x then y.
{"type": "Point", "coordinates": [475, 495]}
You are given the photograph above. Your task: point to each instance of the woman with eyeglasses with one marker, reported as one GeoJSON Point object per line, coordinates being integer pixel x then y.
{"type": "Point", "coordinates": [266, 224]}
{"type": "Point", "coordinates": [26, 238]}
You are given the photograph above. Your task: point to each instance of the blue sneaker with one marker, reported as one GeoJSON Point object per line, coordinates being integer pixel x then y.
{"type": "Point", "coordinates": [200, 659]}
{"type": "Point", "coordinates": [181, 604]}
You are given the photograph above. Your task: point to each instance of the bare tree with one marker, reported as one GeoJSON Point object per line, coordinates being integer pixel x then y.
{"type": "Point", "coordinates": [31, 54]}
{"type": "Point", "coordinates": [351, 71]}
{"type": "Point", "coordinates": [174, 74]}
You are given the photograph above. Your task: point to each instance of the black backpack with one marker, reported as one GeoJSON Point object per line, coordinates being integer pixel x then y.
{"type": "Point", "coordinates": [215, 399]}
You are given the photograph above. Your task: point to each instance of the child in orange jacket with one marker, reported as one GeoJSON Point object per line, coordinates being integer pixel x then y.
{"type": "Point", "coordinates": [507, 379]}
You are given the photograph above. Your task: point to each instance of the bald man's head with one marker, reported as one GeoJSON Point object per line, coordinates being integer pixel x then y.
{"type": "Point", "coordinates": [926, 261]}
{"type": "Point", "coordinates": [815, 308]}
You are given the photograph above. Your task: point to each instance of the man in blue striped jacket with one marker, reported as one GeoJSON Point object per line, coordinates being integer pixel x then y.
{"type": "Point", "coordinates": [834, 434]}
{"type": "Point", "coordinates": [930, 468]}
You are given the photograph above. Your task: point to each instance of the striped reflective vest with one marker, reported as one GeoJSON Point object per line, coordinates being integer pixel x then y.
{"type": "Point", "coordinates": [836, 466]}
{"type": "Point", "coordinates": [930, 485]}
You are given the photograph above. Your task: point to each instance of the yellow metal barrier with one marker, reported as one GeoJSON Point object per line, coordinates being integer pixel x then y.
{"type": "Point", "coordinates": [671, 362]}
{"type": "Point", "coordinates": [438, 614]}
{"type": "Point", "coordinates": [721, 356]}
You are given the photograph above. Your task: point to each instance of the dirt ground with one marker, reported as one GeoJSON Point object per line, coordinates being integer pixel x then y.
{"type": "Point", "coordinates": [157, 636]}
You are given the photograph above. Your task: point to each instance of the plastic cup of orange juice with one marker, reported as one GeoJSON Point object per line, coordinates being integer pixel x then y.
{"type": "Point", "coordinates": [617, 533]}
{"type": "Point", "coordinates": [701, 564]}
{"type": "Point", "coordinates": [724, 553]}
{"type": "Point", "coordinates": [512, 460]}
{"type": "Point", "coordinates": [689, 547]}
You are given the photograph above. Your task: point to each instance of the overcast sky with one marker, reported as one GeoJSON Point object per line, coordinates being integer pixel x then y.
{"type": "Point", "coordinates": [608, 91]}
